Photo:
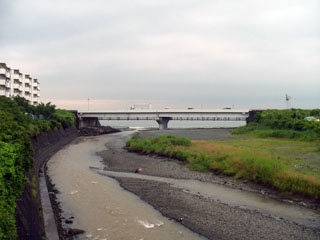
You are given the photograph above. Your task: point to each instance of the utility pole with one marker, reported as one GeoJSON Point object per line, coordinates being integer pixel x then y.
{"type": "Point", "coordinates": [88, 104]}
{"type": "Point", "coordinates": [287, 100]}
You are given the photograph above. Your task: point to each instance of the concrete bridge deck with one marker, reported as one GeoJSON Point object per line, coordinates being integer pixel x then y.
{"type": "Point", "coordinates": [91, 118]}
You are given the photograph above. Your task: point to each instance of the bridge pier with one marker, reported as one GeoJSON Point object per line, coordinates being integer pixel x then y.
{"type": "Point", "coordinates": [88, 122]}
{"type": "Point", "coordinates": [163, 123]}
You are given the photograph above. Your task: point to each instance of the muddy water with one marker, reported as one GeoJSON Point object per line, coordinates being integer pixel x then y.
{"type": "Point", "coordinates": [98, 204]}
{"type": "Point", "coordinates": [234, 197]}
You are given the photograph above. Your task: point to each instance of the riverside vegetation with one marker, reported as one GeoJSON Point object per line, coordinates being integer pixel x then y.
{"type": "Point", "coordinates": [279, 149]}
{"type": "Point", "coordinates": [19, 121]}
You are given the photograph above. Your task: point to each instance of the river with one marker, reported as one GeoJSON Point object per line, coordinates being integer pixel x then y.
{"type": "Point", "coordinates": [98, 204]}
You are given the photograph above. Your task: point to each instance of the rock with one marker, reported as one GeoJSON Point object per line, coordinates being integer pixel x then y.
{"type": "Point", "coordinates": [75, 231]}
{"type": "Point", "coordinates": [303, 204]}
{"type": "Point", "coordinates": [95, 131]}
{"type": "Point", "coordinates": [179, 219]}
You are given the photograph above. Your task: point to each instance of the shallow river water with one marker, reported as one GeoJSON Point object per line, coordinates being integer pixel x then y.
{"type": "Point", "coordinates": [234, 197]}
{"type": "Point", "coordinates": [98, 204]}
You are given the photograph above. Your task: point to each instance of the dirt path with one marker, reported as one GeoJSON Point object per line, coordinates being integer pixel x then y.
{"type": "Point", "coordinates": [210, 218]}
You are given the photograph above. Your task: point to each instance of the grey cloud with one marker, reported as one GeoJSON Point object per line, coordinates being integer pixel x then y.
{"type": "Point", "coordinates": [182, 50]}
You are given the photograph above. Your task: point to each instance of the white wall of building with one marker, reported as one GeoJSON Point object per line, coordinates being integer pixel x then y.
{"type": "Point", "coordinates": [13, 83]}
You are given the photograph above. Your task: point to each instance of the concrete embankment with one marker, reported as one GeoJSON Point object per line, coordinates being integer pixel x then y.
{"type": "Point", "coordinates": [29, 211]}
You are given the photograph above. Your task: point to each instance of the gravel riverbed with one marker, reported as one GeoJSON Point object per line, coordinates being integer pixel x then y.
{"type": "Point", "coordinates": [212, 219]}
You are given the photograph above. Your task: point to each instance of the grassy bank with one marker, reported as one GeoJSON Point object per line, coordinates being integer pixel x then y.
{"type": "Point", "coordinates": [263, 166]}
{"type": "Point", "coordinates": [297, 124]}
{"type": "Point", "coordinates": [18, 122]}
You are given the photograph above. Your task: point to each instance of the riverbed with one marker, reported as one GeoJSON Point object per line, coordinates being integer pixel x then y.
{"type": "Point", "coordinates": [207, 204]}
{"type": "Point", "coordinates": [98, 205]}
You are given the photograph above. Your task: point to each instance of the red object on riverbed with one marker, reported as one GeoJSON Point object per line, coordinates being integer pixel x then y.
{"type": "Point", "coordinates": [138, 170]}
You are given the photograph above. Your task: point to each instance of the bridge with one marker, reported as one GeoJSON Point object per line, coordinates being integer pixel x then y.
{"type": "Point", "coordinates": [91, 118]}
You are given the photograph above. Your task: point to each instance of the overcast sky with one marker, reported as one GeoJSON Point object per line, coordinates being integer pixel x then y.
{"type": "Point", "coordinates": [172, 53]}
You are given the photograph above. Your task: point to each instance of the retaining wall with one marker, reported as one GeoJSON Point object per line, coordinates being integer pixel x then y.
{"type": "Point", "coordinates": [29, 212]}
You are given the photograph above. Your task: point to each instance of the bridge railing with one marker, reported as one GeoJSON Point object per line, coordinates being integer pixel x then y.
{"type": "Point", "coordinates": [177, 118]}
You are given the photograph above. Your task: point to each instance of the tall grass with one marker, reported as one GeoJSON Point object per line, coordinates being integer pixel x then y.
{"type": "Point", "coordinates": [240, 162]}
{"type": "Point", "coordinates": [260, 132]}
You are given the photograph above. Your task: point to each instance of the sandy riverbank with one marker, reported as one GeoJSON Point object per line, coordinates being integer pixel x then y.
{"type": "Point", "coordinates": [212, 219]}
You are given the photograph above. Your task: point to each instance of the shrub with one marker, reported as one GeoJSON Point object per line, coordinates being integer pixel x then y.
{"type": "Point", "coordinates": [65, 117]}
{"type": "Point", "coordinates": [17, 125]}
{"type": "Point", "coordinates": [43, 125]}
{"type": "Point", "coordinates": [11, 183]}
{"type": "Point", "coordinates": [284, 124]}
{"type": "Point", "coordinates": [54, 124]}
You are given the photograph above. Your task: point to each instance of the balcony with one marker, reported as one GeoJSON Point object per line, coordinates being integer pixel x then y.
{"type": "Point", "coordinates": [27, 81]}
{"type": "Point", "coordinates": [17, 86]}
{"type": "Point", "coordinates": [16, 94]}
{"type": "Point", "coordinates": [28, 97]}
{"type": "Point", "coordinates": [3, 71]}
{"type": "Point", "coordinates": [27, 89]}
{"type": "Point", "coordinates": [17, 77]}
{"type": "Point", "coordinates": [3, 82]}
{"type": "Point", "coordinates": [35, 84]}
{"type": "Point", "coordinates": [4, 92]}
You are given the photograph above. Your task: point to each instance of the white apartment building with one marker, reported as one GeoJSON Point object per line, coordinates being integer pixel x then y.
{"type": "Point", "coordinates": [13, 83]}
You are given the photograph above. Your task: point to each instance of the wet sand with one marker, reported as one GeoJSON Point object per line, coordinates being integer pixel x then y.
{"type": "Point", "coordinates": [210, 218]}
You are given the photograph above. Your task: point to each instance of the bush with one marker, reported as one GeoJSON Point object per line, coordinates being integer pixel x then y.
{"type": "Point", "coordinates": [284, 124]}
{"type": "Point", "coordinates": [16, 158]}
{"type": "Point", "coordinates": [17, 125]}
{"type": "Point", "coordinates": [66, 118]}
{"type": "Point", "coordinates": [43, 125]}
{"type": "Point", "coordinates": [55, 125]}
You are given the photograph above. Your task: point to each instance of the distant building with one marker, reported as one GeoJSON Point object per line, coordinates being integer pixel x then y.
{"type": "Point", "coordinates": [311, 118]}
{"type": "Point", "coordinates": [13, 83]}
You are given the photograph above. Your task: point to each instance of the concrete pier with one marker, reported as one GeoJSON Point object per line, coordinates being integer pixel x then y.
{"type": "Point", "coordinates": [89, 122]}
{"type": "Point", "coordinates": [163, 123]}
